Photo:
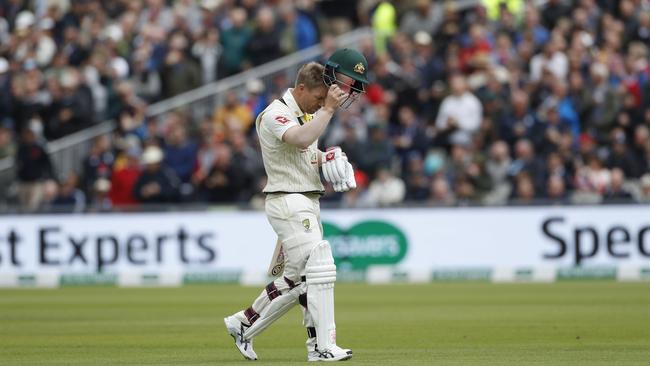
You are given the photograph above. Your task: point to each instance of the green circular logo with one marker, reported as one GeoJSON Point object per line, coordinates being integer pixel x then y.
{"type": "Point", "coordinates": [366, 243]}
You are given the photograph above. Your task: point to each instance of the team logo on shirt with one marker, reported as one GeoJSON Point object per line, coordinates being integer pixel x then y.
{"type": "Point", "coordinates": [306, 224]}
{"type": "Point", "coordinates": [282, 119]}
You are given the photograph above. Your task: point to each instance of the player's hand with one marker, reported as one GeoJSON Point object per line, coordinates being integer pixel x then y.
{"type": "Point", "coordinates": [335, 96]}
{"type": "Point", "coordinates": [337, 170]}
{"type": "Point", "coordinates": [351, 181]}
{"type": "Point", "coordinates": [333, 165]}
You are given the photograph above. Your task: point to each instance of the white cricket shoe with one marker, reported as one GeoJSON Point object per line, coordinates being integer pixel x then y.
{"type": "Point", "coordinates": [236, 330]}
{"type": "Point", "coordinates": [335, 353]}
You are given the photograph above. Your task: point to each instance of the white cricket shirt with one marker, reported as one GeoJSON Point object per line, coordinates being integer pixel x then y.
{"type": "Point", "coordinates": [289, 169]}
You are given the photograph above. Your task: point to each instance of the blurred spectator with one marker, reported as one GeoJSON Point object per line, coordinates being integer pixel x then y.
{"type": "Point", "coordinates": [384, 24]}
{"type": "Point", "coordinates": [616, 192]}
{"type": "Point", "coordinates": [524, 192]}
{"type": "Point", "coordinates": [460, 156]}
{"type": "Point", "coordinates": [50, 192]}
{"type": "Point", "coordinates": [299, 30]}
{"type": "Point", "coordinates": [644, 195]}
{"type": "Point", "coordinates": [580, 95]}
{"type": "Point", "coordinates": [417, 183]}
{"type": "Point", "coordinates": [430, 67]}
{"type": "Point", "coordinates": [126, 106]}
{"type": "Point", "coordinates": [7, 146]}
{"type": "Point", "coordinates": [548, 133]}
{"type": "Point", "coordinates": [640, 138]}
{"type": "Point", "coordinates": [33, 169]}
{"type": "Point", "coordinates": [557, 167]}
{"type": "Point", "coordinates": [249, 161]}
{"type": "Point", "coordinates": [208, 51]}
{"type": "Point", "coordinates": [180, 152]}
{"type": "Point", "coordinates": [642, 31]}
{"type": "Point", "coordinates": [479, 176]}
{"type": "Point", "coordinates": [440, 193]}
{"type": "Point", "coordinates": [426, 17]}
{"type": "Point", "coordinates": [497, 167]}
{"type": "Point", "coordinates": [206, 152]}
{"type": "Point", "coordinates": [409, 137]}
{"type": "Point", "coordinates": [224, 183]}
{"type": "Point", "coordinates": [352, 144]}
{"type": "Point", "coordinates": [69, 198]}
{"type": "Point", "coordinates": [551, 60]}
{"type": "Point", "coordinates": [74, 110]}
{"type": "Point", "coordinates": [233, 114]}
{"type": "Point", "coordinates": [257, 99]}
{"type": "Point", "coordinates": [385, 190]}
{"type": "Point", "coordinates": [45, 46]}
{"type": "Point", "coordinates": [527, 163]}
{"type": "Point", "coordinates": [496, 8]}
{"type": "Point", "coordinates": [5, 91]}
{"type": "Point", "coordinates": [450, 28]}
{"type": "Point", "coordinates": [100, 201]}
{"type": "Point", "coordinates": [264, 45]}
{"type": "Point", "coordinates": [124, 179]}
{"type": "Point", "coordinates": [475, 48]}
{"type": "Point", "coordinates": [157, 12]}
{"type": "Point", "coordinates": [553, 11]}
{"type": "Point", "coordinates": [235, 40]}
{"type": "Point", "coordinates": [621, 157]}
{"type": "Point", "coordinates": [460, 112]}
{"type": "Point", "coordinates": [556, 190]}
{"type": "Point", "coordinates": [604, 102]}
{"type": "Point", "coordinates": [377, 151]}
{"type": "Point", "coordinates": [99, 162]}
{"type": "Point", "coordinates": [156, 184]}
{"type": "Point", "coordinates": [566, 111]}
{"type": "Point", "coordinates": [464, 191]}
{"type": "Point", "coordinates": [520, 121]}
{"type": "Point", "coordinates": [593, 177]}
{"type": "Point", "coordinates": [179, 73]}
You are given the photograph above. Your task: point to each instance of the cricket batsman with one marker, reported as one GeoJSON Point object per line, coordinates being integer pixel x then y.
{"type": "Point", "coordinates": [288, 131]}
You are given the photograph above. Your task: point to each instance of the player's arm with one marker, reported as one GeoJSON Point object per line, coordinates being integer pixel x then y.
{"type": "Point", "coordinates": [305, 135]}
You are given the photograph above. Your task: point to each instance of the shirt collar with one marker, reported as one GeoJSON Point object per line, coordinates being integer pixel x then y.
{"type": "Point", "coordinates": [291, 103]}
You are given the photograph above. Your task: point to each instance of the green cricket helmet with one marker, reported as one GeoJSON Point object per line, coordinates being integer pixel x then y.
{"type": "Point", "coordinates": [350, 63]}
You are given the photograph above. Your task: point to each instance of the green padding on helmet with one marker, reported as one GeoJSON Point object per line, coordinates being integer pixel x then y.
{"type": "Point", "coordinates": [350, 63]}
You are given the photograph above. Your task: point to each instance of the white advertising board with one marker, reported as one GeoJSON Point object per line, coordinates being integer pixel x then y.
{"type": "Point", "coordinates": [412, 240]}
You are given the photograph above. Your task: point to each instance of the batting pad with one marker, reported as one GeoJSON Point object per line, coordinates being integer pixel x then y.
{"type": "Point", "coordinates": [273, 311]}
{"type": "Point", "coordinates": [321, 275]}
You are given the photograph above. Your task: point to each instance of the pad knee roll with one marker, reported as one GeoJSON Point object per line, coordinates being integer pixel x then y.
{"type": "Point", "coordinates": [320, 268]}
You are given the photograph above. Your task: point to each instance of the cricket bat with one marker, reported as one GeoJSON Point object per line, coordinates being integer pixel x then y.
{"type": "Point", "coordinates": [276, 267]}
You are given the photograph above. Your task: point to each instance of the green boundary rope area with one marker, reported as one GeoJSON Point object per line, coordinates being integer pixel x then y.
{"type": "Point", "coordinates": [385, 275]}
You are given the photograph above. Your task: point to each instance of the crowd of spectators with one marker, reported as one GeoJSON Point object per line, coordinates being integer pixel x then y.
{"type": "Point", "coordinates": [506, 102]}
{"type": "Point", "coordinates": [64, 63]}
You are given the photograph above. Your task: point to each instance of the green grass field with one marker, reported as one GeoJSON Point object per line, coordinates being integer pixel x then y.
{"type": "Point", "coordinates": [568, 323]}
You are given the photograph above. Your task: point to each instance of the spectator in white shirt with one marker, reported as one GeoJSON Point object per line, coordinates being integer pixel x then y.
{"type": "Point", "coordinates": [385, 190]}
{"type": "Point", "coordinates": [551, 59]}
{"type": "Point", "coordinates": [461, 112]}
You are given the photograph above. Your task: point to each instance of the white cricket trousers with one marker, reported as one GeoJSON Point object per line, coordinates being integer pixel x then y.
{"type": "Point", "coordinates": [295, 217]}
